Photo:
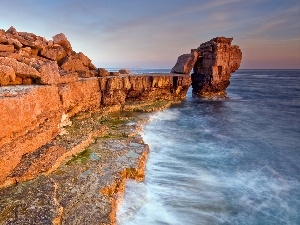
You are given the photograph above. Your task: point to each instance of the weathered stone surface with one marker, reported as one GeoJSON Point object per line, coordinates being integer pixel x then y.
{"type": "Point", "coordinates": [85, 73]}
{"type": "Point", "coordinates": [80, 96]}
{"type": "Point", "coordinates": [54, 53]}
{"type": "Point", "coordinates": [30, 145]}
{"type": "Point", "coordinates": [12, 30]}
{"type": "Point", "coordinates": [86, 189]}
{"type": "Point", "coordinates": [33, 139]}
{"type": "Point", "coordinates": [7, 74]}
{"type": "Point", "coordinates": [49, 73]}
{"type": "Point", "coordinates": [68, 77]}
{"type": "Point", "coordinates": [27, 81]}
{"type": "Point", "coordinates": [17, 81]}
{"type": "Point", "coordinates": [114, 73]}
{"type": "Point", "coordinates": [124, 71]}
{"type": "Point", "coordinates": [34, 113]}
{"type": "Point", "coordinates": [79, 63]}
{"type": "Point", "coordinates": [103, 72]}
{"type": "Point", "coordinates": [17, 44]}
{"type": "Point", "coordinates": [3, 39]}
{"type": "Point", "coordinates": [185, 63]}
{"type": "Point", "coordinates": [212, 71]}
{"type": "Point", "coordinates": [7, 48]}
{"type": "Point", "coordinates": [43, 190]}
{"type": "Point", "coordinates": [61, 39]}
{"type": "Point", "coordinates": [21, 69]}
{"type": "Point", "coordinates": [72, 63]}
{"type": "Point", "coordinates": [85, 60]}
{"type": "Point", "coordinates": [215, 61]}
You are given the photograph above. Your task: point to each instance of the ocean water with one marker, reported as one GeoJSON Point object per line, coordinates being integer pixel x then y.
{"type": "Point", "coordinates": [223, 161]}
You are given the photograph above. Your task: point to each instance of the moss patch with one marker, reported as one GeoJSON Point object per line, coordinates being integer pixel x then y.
{"type": "Point", "coordinates": [80, 157]}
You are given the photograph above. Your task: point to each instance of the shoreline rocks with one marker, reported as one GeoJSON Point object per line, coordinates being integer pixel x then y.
{"type": "Point", "coordinates": [87, 185]}
{"type": "Point", "coordinates": [41, 81]}
{"type": "Point", "coordinates": [35, 111]}
{"type": "Point", "coordinates": [59, 131]}
{"type": "Point", "coordinates": [99, 152]}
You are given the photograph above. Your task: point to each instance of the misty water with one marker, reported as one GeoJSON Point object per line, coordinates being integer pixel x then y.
{"type": "Point", "coordinates": [223, 161]}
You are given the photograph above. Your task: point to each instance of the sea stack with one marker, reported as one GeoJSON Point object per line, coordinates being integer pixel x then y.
{"type": "Point", "coordinates": [212, 64]}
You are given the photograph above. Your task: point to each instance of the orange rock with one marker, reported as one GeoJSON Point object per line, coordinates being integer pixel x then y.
{"type": "Point", "coordinates": [15, 42]}
{"type": "Point", "coordinates": [12, 30]}
{"type": "Point", "coordinates": [185, 63]}
{"type": "Point", "coordinates": [124, 71]}
{"type": "Point", "coordinates": [17, 81]}
{"type": "Point", "coordinates": [54, 53]}
{"type": "Point", "coordinates": [49, 73]}
{"type": "Point", "coordinates": [212, 71]}
{"type": "Point", "coordinates": [7, 48]}
{"type": "Point", "coordinates": [81, 95]}
{"type": "Point", "coordinates": [27, 81]}
{"type": "Point", "coordinates": [103, 72]}
{"type": "Point", "coordinates": [114, 73]}
{"type": "Point", "coordinates": [72, 63]}
{"type": "Point", "coordinates": [34, 113]}
{"type": "Point", "coordinates": [85, 60]}
{"type": "Point", "coordinates": [63, 41]}
{"type": "Point", "coordinates": [21, 69]}
{"type": "Point", "coordinates": [7, 74]}
{"type": "Point", "coordinates": [68, 77]}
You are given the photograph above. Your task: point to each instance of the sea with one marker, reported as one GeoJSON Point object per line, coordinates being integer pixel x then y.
{"type": "Point", "coordinates": [233, 160]}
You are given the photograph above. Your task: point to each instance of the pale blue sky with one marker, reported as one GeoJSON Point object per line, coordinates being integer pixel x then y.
{"type": "Point", "coordinates": [152, 34]}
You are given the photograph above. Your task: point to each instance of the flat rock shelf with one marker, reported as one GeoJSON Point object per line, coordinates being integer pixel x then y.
{"type": "Point", "coordinates": [86, 185]}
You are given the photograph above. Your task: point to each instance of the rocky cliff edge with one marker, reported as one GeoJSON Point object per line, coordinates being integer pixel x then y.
{"type": "Point", "coordinates": [44, 83]}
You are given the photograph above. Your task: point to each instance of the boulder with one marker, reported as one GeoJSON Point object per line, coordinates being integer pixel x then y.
{"type": "Point", "coordinates": [85, 60]}
{"type": "Point", "coordinates": [185, 63]}
{"type": "Point", "coordinates": [85, 73]}
{"type": "Point", "coordinates": [21, 69]}
{"type": "Point", "coordinates": [72, 63]}
{"type": "Point", "coordinates": [16, 43]}
{"type": "Point", "coordinates": [49, 73]}
{"type": "Point", "coordinates": [103, 72]}
{"type": "Point", "coordinates": [12, 30]}
{"type": "Point", "coordinates": [67, 77]}
{"type": "Point", "coordinates": [124, 71]}
{"type": "Point", "coordinates": [61, 40]}
{"type": "Point", "coordinates": [114, 73]}
{"type": "Point", "coordinates": [3, 39]}
{"type": "Point", "coordinates": [55, 52]}
{"type": "Point", "coordinates": [77, 62]}
{"type": "Point", "coordinates": [7, 74]}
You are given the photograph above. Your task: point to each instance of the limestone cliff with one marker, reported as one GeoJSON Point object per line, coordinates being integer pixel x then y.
{"type": "Point", "coordinates": [44, 83]}
{"type": "Point", "coordinates": [212, 64]}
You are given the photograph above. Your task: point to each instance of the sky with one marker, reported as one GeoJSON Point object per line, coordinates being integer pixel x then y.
{"type": "Point", "coordinates": [153, 33]}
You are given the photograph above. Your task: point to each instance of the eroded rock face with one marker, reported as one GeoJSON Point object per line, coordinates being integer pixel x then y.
{"type": "Point", "coordinates": [212, 71]}
{"type": "Point", "coordinates": [215, 61]}
{"type": "Point", "coordinates": [29, 118]}
{"type": "Point", "coordinates": [34, 112]}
